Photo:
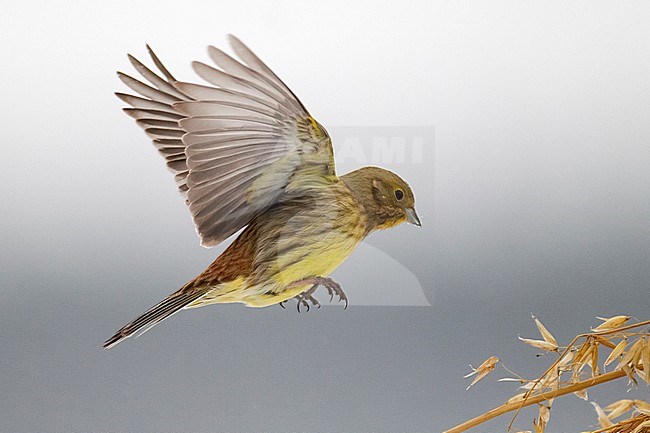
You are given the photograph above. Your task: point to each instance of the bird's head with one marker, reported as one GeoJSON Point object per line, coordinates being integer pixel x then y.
{"type": "Point", "coordinates": [386, 197]}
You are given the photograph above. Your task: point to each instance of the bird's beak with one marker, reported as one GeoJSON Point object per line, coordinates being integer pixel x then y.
{"type": "Point", "coordinates": [412, 217]}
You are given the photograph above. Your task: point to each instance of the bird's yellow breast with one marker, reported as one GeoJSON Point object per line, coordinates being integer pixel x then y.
{"type": "Point", "coordinates": [313, 256]}
{"type": "Point", "coordinates": [291, 243]}
{"type": "Point", "coordinates": [319, 259]}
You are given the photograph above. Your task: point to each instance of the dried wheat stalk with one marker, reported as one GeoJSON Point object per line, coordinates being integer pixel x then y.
{"type": "Point", "coordinates": [576, 369]}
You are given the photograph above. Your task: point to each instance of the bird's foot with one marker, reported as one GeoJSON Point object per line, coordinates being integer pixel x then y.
{"type": "Point", "coordinates": [333, 288]}
{"type": "Point", "coordinates": [305, 298]}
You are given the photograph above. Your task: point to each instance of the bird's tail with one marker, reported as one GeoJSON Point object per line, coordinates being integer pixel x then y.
{"type": "Point", "coordinates": [156, 314]}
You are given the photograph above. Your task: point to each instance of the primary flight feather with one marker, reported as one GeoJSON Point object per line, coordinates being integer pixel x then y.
{"type": "Point", "coordinates": [246, 153]}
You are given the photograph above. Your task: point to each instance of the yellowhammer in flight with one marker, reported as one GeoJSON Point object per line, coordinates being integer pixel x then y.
{"type": "Point", "coordinates": [246, 154]}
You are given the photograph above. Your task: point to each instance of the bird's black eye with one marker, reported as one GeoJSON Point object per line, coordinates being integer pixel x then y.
{"type": "Point", "coordinates": [399, 194]}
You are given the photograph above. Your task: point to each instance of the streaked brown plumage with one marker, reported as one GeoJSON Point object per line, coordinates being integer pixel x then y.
{"type": "Point", "coordinates": [247, 154]}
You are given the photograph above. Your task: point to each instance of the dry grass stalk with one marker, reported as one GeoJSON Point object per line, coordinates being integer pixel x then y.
{"type": "Point", "coordinates": [483, 370]}
{"type": "Point", "coordinates": [637, 424]}
{"type": "Point", "coordinates": [576, 369]}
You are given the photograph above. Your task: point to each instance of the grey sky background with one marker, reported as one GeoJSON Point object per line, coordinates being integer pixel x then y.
{"type": "Point", "coordinates": [534, 193]}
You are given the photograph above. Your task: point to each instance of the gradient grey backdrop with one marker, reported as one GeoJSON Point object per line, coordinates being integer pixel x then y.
{"type": "Point", "coordinates": [535, 197]}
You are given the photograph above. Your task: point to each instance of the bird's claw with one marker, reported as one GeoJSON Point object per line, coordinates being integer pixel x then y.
{"type": "Point", "coordinates": [333, 288]}
{"type": "Point", "coordinates": [301, 301]}
{"type": "Point", "coordinates": [313, 301]}
{"type": "Point", "coordinates": [305, 298]}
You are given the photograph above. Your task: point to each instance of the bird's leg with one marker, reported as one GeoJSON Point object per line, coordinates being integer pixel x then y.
{"type": "Point", "coordinates": [305, 298]}
{"type": "Point", "coordinates": [309, 296]}
{"type": "Point", "coordinates": [332, 288]}
{"type": "Point", "coordinates": [329, 292]}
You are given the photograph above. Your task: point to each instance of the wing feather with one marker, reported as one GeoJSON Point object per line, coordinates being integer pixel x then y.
{"type": "Point", "coordinates": [145, 104]}
{"type": "Point", "coordinates": [254, 62]}
{"type": "Point", "coordinates": [155, 133]}
{"type": "Point", "coordinates": [154, 79]}
{"type": "Point", "coordinates": [146, 90]}
{"type": "Point", "coordinates": [221, 79]}
{"type": "Point", "coordinates": [160, 123]}
{"type": "Point", "coordinates": [139, 113]}
{"type": "Point", "coordinates": [221, 108]}
{"type": "Point", "coordinates": [213, 125]}
{"type": "Point", "coordinates": [236, 69]}
{"type": "Point", "coordinates": [219, 140]}
{"type": "Point", "coordinates": [207, 93]}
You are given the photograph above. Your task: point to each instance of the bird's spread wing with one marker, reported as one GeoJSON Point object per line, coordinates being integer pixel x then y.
{"type": "Point", "coordinates": [237, 145]}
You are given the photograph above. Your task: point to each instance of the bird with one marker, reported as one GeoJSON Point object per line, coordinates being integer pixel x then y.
{"type": "Point", "coordinates": [246, 154]}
